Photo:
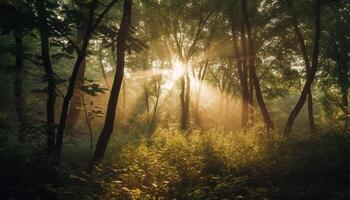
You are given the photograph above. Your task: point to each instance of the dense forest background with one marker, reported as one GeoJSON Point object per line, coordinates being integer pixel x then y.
{"type": "Point", "coordinates": [174, 99]}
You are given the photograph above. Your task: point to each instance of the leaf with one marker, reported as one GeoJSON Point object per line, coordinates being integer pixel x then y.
{"type": "Point", "coordinates": [93, 89]}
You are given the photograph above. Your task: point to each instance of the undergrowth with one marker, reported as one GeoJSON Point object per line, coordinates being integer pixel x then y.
{"type": "Point", "coordinates": [221, 165]}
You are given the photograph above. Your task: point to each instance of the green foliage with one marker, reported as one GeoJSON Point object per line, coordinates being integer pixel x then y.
{"type": "Point", "coordinates": [169, 164]}
{"type": "Point", "coordinates": [221, 165]}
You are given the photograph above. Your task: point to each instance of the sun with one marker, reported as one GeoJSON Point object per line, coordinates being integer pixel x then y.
{"type": "Point", "coordinates": [178, 69]}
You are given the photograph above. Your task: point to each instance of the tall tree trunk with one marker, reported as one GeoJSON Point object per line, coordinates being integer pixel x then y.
{"type": "Point", "coordinates": [49, 74]}
{"type": "Point", "coordinates": [245, 70]}
{"type": "Point", "coordinates": [197, 105]}
{"type": "Point", "coordinates": [188, 91]}
{"type": "Point", "coordinates": [70, 91]}
{"type": "Point", "coordinates": [304, 53]}
{"type": "Point", "coordinates": [227, 108]}
{"type": "Point", "coordinates": [147, 102]}
{"type": "Point", "coordinates": [251, 103]}
{"type": "Point", "coordinates": [152, 123]}
{"type": "Point", "coordinates": [310, 110]}
{"type": "Point", "coordinates": [76, 101]}
{"type": "Point", "coordinates": [113, 99]}
{"type": "Point", "coordinates": [201, 75]}
{"type": "Point", "coordinates": [252, 70]}
{"type": "Point", "coordinates": [185, 99]}
{"type": "Point", "coordinates": [197, 111]}
{"type": "Point", "coordinates": [100, 59]}
{"type": "Point", "coordinates": [311, 73]}
{"type": "Point", "coordinates": [242, 72]}
{"type": "Point", "coordinates": [18, 83]}
{"type": "Point", "coordinates": [183, 124]}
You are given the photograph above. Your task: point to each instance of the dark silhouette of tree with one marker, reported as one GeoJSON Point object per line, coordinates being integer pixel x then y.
{"type": "Point", "coordinates": [310, 76]}
{"type": "Point", "coordinates": [252, 68]}
{"type": "Point", "coordinates": [117, 83]}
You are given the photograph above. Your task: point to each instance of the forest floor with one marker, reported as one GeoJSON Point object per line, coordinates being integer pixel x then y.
{"type": "Point", "coordinates": [174, 165]}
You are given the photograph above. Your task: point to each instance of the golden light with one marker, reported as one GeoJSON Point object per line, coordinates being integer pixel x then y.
{"type": "Point", "coordinates": [178, 69]}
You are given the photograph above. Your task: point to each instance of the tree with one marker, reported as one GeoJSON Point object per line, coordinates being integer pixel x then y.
{"type": "Point", "coordinates": [74, 108]}
{"type": "Point", "coordinates": [241, 62]}
{"type": "Point", "coordinates": [17, 18]}
{"type": "Point", "coordinates": [304, 52]}
{"type": "Point", "coordinates": [335, 47]}
{"type": "Point", "coordinates": [118, 79]}
{"type": "Point", "coordinates": [186, 39]}
{"type": "Point", "coordinates": [252, 68]}
{"type": "Point", "coordinates": [152, 94]}
{"type": "Point", "coordinates": [44, 30]}
{"type": "Point", "coordinates": [310, 76]}
{"type": "Point", "coordinates": [91, 25]}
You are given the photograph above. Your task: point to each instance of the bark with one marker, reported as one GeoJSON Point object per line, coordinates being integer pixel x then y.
{"type": "Point", "coordinates": [310, 110]}
{"type": "Point", "coordinates": [152, 123]}
{"type": "Point", "coordinates": [243, 74]}
{"type": "Point", "coordinates": [147, 103]}
{"type": "Point", "coordinates": [185, 98]}
{"type": "Point", "coordinates": [251, 103]}
{"type": "Point", "coordinates": [100, 59]}
{"type": "Point", "coordinates": [311, 73]}
{"type": "Point", "coordinates": [91, 26]}
{"type": "Point", "coordinates": [252, 70]}
{"type": "Point", "coordinates": [18, 83]}
{"type": "Point", "coordinates": [245, 71]}
{"type": "Point", "coordinates": [113, 99]}
{"type": "Point", "coordinates": [201, 75]}
{"type": "Point", "coordinates": [185, 80]}
{"type": "Point", "coordinates": [183, 124]}
{"type": "Point", "coordinates": [70, 91]}
{"type": "Point", "coordinates": [304, 53]}
{"type": "Point", "coordinates": [49, 73]}
{"type": "Point", "coordinates": [76, 102]}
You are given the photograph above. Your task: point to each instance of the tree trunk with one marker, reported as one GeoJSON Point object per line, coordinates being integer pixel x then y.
{"type": "Point", "coordinates": [183, 124]}
{"type": "Point", "coordinates": [197, 117]}
{"type": "Point", "coordinates": [18, 83]}
{"type": "Point", "coordinates": [201, 75]}
{"type": "Point", "coordinates": [113, 99]}
{"type": "Point", "coordinates": [70, 91]}
{"type": "Point", "coordinates": [185, 99]}
{"type": "Point", "coordinates": [76, 101]}
{"type": "Point", "coordinates": [152, 123]}
{"type": "Point", "coordinates": [49, 74]}
{"type": "Point", "coordinates": [311, 73]}
{"type": "Point", "coordinates": [252, 70]}
{"type": "Point", "coordinates": [242, 72]}
{"type": "Point", "coordinates": [304, 53]}
{"type": "Point", "coordinates": [188, 91]}
{"type": "Point", "coordinates": [251, 103]}
{"type": "Point", "coordinates": [310, 110]}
